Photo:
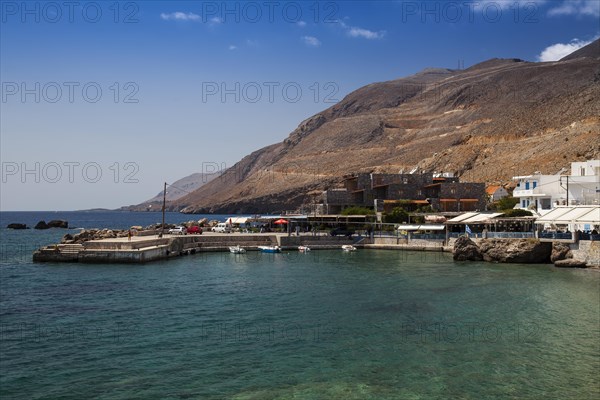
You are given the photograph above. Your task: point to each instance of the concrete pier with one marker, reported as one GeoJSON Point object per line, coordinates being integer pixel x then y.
{"type": "Point", "coordinates": [141, 249]}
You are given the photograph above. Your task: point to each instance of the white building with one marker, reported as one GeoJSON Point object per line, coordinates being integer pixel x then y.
{"type": "Point", "coordinates": [496, 192]}
{"type": "Point", "coordinates": [545, 192]}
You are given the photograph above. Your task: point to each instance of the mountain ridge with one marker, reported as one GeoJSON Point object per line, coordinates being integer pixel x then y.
{"type": "Point", "coordinates": [489, 122]}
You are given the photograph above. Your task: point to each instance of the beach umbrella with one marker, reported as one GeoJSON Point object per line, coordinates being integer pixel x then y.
{"type": "Point", "coordinates": [280, 221]}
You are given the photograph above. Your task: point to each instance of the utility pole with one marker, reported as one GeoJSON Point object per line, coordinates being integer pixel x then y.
{"type": "Point", "coordinates": [567, 189]}
{"type": "Point", "coordinates": [162, 229]}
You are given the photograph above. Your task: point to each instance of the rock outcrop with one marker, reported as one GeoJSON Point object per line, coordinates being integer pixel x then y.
{"type": "Point", "coordinates": [466, 250]}
{"type": "Point", "coordinates": [17, 226]}
{"type": "Point", "coordinates": [58, 223]}
{"type": "Point", "coordinates": [55, 223]}
{"type": "Point", "coordinates": [41, 225]}
{"type": "Point", "coordinates": [570, 263]}
{"type": "Point", "coordinates": [560, 251]}
{"type": "Point", "coordinates": [524, 251]}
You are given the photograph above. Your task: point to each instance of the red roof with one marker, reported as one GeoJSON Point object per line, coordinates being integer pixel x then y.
{"type": "Point", "coordinates": [492, 189]}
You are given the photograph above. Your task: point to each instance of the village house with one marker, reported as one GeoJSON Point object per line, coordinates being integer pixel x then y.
{"type": "Point", "coordinates": [495, 192]}
{"type": "Point", "coordinates": [383, 192]}
{"type": "Point", "coordinates": [542, 193]}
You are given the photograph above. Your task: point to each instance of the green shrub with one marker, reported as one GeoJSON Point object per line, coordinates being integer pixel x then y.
{"type": "Point", "coordinates": [357, 211]}
{"type": "Point", "coordinates": [517, 213]}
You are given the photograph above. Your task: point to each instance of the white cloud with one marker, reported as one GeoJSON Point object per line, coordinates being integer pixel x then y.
{"type": "Point", "coordinates": [180, 16]}
{"type": "Point", "coordinates": [301, 24]}
{"type": "Point", "coordinates": [505, 4]}
{"type": "Point", "coordinates": [356, 32]}
{"type": "Point", "coordinates": [560, 50]}
{"type": "Point", "coordinates": [215, 21]}
{"type": "Point", "coordinates": [311, 41]}
{"type": "Point", "coordinates": [232, 47]}
{"type": "Point", "coordinates": [590, 8]}
{"type": "Point", "coordinates": [365, 33]}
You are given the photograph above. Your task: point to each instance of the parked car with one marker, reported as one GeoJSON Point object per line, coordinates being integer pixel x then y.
{"type": "Point", "coordinates": [178, 230]}
{"type": "Point", "coordinates": [222, 227]}
{"type": "Point", "coordinates": [194, 230]}
{"type": "Point", "coordinates": [341, 231]}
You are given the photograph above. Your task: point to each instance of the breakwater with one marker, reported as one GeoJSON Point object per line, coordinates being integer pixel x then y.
{"type": "Point", "coordinates": [141, 249]}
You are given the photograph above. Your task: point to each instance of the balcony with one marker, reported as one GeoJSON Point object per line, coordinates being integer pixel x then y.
{"type": "Point", "coordinates": [528, 193]}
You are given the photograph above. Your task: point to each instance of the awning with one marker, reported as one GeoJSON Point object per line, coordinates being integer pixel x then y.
{"type": "Point", "coordinates": [421, 227]}
{"type": "Point", "coordinates": [473, 218]}
{"type": "Point", "coordinates": [238, 220]}
{"type": "Point", "coordinates": [572, 215]}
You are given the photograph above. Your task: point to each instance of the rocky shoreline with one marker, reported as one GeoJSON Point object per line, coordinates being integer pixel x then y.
{"type": "Point", "coordinates": [522, 251]}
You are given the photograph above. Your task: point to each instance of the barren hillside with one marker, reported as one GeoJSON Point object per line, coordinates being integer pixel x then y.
{"type": "Point", "coordinates": [496, 119]}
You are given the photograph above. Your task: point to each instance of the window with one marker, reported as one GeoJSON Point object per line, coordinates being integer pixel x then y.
{"type": "Point", "coordinates": [582, 171]}
{"type": "Point", "coordinates": [527, 185]}
{"type": "Point", "coordinates": [534, 184]}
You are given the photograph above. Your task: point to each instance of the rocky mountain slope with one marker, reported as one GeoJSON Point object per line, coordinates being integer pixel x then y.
{"type": "Point", "coordinates": [487, 123]}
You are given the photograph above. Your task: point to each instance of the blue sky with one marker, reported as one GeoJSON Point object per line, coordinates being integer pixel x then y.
{"type": "Point", "coordinates": [104, 101]}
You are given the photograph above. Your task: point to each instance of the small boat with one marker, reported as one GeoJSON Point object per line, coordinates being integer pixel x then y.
{"type": "Point", "coordinates": [269, 249]}
{"type": "Point", "coordinates": [237, 249]}
{"type": "Point", "coordinates": [303, 248]}
{"type": "Point", "coordinates": [348, 247]}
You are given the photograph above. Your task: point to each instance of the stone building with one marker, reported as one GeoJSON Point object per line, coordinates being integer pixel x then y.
{"type": "Point", "coordinates": [383, 192]}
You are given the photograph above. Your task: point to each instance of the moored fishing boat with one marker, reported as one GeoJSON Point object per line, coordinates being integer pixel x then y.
{"type": "Point", "coordinates": [348, 247]}
{"type": "Point", "coordinates": [269, 249]}
{"type": "Point", "coordinates": [303, 248]}
{"type": "Point", "coordinates": [237, 249]}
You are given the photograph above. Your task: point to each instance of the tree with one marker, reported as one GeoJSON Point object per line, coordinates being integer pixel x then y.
{"type": "Point", "coordinates": [505, 203]}
{"type": "Point", "coordinates": [398, 215]}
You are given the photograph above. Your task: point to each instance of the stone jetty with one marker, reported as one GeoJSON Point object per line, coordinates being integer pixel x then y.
{"type": "Point", "coordinates": [140, 249]}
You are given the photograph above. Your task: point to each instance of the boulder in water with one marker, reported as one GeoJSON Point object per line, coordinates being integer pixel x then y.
{"type": "Point", "coordinates": [16, 226]}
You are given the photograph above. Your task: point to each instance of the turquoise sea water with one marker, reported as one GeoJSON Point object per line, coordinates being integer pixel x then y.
{"type": "Point", "coordinates": [322, 325]}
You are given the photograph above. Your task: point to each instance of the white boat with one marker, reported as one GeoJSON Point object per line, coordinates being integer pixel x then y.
{"type": "Point", "coordinates": [303, 248]}
{"type": "Point", "coordinates": [269, 249]}
{"type": "Point", "coordinates": [237, 249]}
{"type": "Point", "coordinates": [348, 247]}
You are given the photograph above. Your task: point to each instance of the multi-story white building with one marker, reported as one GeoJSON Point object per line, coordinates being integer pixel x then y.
{"type": "Point", "coordinates": [544, 192]}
